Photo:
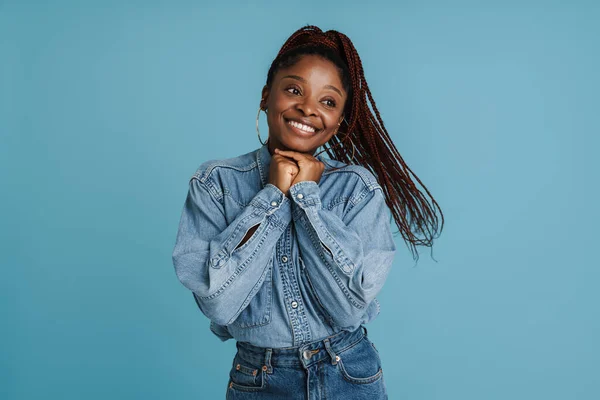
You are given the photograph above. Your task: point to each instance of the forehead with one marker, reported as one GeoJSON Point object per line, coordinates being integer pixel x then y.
{"type": "Point", "coordinates": [314, 69]}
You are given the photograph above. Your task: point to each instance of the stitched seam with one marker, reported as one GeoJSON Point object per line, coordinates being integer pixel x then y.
{"type": "Point", "coordinates": [312, 288]}
{"type": "Point", "coordinates": [237, 271]}
{"type": "Point", "coordinates": [337, 201]}
{"type": "Point", "coordinates": [352, 379]}
{"type": "Point", "coordinates": [348, 347]}
{"type": "Point", "coordinates": [342, 261]}
{"type": "Point", "coordinates": [238, 228]}
{"type": "Point", "coordinates": [266, 318]}
{"type": "Point", "coordinates": [317, 244]}
{"type": "Point", "coordinates": [204, 173]}
{"type": "Point", "coordinates": [227, 192]}
{"type": "Point", "coordinates": [366, 178]}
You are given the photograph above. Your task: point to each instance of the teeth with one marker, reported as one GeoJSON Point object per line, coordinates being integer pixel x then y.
{"type": "Point", "coordinates": [303, 127]}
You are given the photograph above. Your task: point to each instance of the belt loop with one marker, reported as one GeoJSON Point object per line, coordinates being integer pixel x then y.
{"type": "Point", "coordinates": [334, 357]}
{"type": "Point", "coordinates": [267, 367]}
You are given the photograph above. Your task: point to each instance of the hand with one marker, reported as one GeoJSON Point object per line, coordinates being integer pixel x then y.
{"type": "Point", "coordinates": [311, 168]}
{"type": "Point", "coordinates": [282, 172]}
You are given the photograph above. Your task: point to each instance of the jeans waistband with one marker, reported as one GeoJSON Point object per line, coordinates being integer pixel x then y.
{"type": "Point", "coordinates": [304, 355]}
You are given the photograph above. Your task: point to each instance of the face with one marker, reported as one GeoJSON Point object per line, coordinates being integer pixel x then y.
{"type": "Point", "coordinates": [305, 104]}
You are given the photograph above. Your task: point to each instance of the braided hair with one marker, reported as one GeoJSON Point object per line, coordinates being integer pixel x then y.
{"type": "Point", "coordinates": [415, 217]}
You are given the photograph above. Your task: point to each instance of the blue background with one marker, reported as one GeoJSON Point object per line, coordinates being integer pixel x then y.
{"type": "Point", "coordinates": [107, 108]}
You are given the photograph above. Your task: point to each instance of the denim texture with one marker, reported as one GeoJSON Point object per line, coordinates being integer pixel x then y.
{"type": "Point", "coordinates": [313, 267]}
{"type": "Point", "coordinates": [344, 366]}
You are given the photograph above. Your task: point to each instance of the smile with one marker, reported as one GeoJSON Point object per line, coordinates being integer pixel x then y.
{"type": "Point", "coordinates": [302, 127]}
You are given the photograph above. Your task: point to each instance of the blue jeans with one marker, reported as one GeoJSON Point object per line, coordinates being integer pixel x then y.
{"type": "Point", "coordinates": [343, 366]}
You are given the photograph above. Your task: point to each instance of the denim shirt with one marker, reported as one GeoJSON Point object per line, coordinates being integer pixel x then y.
{"type": "Point", "coordinates": [312, 267]}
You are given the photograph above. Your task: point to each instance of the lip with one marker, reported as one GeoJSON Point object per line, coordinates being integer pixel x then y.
{"type": "Point", "coordinates": [300, 132]}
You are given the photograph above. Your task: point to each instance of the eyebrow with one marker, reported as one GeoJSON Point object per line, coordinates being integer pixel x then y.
{"type": "Point", "coordinates": [301, 79]}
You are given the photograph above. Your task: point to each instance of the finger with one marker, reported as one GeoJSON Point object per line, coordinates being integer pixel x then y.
{"type": "Point", "coordinates": [292, 154]}
{"type": "Point", "coordinates": [284, 160]}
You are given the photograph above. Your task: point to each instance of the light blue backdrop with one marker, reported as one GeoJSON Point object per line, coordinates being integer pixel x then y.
{"type": "Point", "coordinates": [107, 109]}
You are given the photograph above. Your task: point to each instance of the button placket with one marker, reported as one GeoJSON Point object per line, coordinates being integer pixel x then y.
{"type": "Point", "coordinates": [292, 296]}
{"type": "Point", "coordinates": [287, 279]}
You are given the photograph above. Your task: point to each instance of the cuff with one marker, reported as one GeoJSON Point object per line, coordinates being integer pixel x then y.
{"type": "Point", "coordinates": [271, 200]}
{"type": "Point", "coordinates": [306, 194]}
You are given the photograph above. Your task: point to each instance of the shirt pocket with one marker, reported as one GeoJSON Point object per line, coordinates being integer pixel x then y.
{"type": "Point", "coordinates": [258, 311]}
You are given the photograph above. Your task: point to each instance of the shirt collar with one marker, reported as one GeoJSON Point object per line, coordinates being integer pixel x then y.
{"type": "Point", "coordinates": [263, 158]}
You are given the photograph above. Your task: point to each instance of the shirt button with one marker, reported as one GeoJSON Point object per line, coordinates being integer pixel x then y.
{"type": "Point", "coordinates": [273, 203]}
{"type": "Point", "coordinates": [284, 259]}
{"type": "Point", "coordinates": [300, 195]}
{"type": "Point", "coordinates": [294, 304]}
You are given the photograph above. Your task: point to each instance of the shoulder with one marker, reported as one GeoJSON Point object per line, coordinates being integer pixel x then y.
{"type": "Point", "coordinates": [350, 174]}
{"type": "Point", "coordinates": [210, 169]}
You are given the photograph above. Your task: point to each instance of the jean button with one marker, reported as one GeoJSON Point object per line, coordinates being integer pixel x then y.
{"type": "Point", "coordinates": [300, 195]}
{"type": "Point", "coordinates": [284, 259]}
{"type": "Point", "coordinates": [307, 354]}
{"type": "Point", "coordinates": [294, 304]}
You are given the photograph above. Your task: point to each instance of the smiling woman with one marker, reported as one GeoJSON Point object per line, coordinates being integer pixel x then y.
{"type": "Point", "coordinates": [285, 250]}
{"type": "Point", "coordinates": [305, 104]}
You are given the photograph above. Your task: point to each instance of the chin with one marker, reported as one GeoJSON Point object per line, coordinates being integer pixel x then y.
{"type": "Point", "coordinates": [296, 145]}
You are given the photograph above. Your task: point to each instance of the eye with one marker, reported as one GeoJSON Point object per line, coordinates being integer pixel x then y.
{"type": "Point", "coordinates": [293, 90]}
{"type": "Point", "coordinates": [329, 103]}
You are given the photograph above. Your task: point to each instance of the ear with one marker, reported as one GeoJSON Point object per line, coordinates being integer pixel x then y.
{"type": "Point", "coordinates": [264, 97]}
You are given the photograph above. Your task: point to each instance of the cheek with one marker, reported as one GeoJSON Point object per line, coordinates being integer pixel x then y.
{"type": "Point", "coordinates": [271, 118]}
{"type": "Point", "coordinates": [281, 102]}
{"type": "Point", "coordinates": [332, 119]}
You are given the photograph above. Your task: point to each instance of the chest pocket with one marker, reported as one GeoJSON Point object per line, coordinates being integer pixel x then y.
{"type": "Point", "coordinates": [258, 311]}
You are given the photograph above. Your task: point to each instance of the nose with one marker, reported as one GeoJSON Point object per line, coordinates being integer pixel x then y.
{"type": "Point", "coordinates": [307, 107]}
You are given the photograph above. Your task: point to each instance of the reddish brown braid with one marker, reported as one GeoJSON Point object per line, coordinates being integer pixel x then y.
{"type": "Point", "coordinates": [416, 219]}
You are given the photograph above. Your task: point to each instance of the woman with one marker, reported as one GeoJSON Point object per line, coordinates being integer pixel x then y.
{"type": "Point", "coordinates": [285, 250]}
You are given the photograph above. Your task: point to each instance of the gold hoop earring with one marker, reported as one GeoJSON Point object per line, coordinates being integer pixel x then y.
{"type": "Point", "coordinates": [257, 130]}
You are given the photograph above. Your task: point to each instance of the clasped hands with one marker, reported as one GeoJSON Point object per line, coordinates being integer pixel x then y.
{"type": "Point", "coordinates": [290, 167]}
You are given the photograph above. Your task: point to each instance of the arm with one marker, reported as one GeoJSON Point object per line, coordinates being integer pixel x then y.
{"type": "Point", "coordinates": [347, 258]}
{"type": "Point", "coordinates": [209, 257]}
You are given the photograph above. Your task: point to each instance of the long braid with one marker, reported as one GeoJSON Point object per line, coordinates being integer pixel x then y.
{"type": "Point", "coordinates": [415, 217]}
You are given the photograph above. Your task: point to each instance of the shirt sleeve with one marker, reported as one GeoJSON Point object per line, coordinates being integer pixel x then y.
{"type": "Point", "coordinates": [207, 259]}
{"type": "Point", "coordinates": [347, 258]}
